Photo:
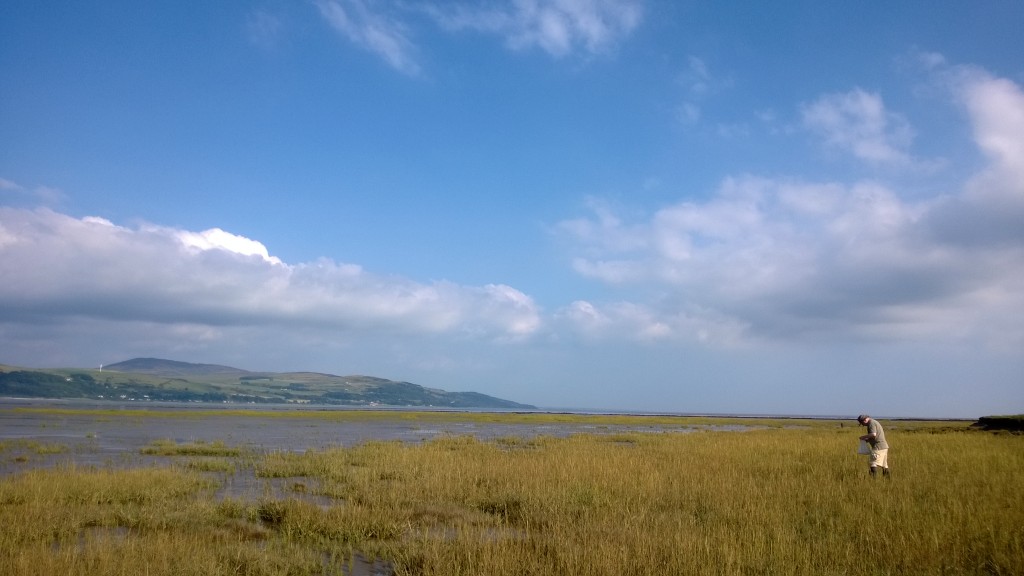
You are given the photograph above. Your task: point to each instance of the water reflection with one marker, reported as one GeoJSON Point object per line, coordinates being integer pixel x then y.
{"type": "Point", "coordinates": [37, 439]}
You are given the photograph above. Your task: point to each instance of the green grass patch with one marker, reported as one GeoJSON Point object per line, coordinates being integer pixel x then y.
{"type": "Point", "coordinates": [33, 446]}
{"type": "Point", "coordinates": [211, 465]}
{"type": "Point", "coordinates": [197, 448]}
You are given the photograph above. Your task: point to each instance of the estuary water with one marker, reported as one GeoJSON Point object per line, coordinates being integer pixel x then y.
{"type": "Point", "coordinates": [31, 439]}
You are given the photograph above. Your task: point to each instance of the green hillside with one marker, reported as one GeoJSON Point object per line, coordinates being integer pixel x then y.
{"type": "Point", "coordinates": [154, 379]}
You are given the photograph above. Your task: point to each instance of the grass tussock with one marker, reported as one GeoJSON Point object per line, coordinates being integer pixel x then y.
{"type": "Point", "coordinates": [766, 501]}
{"type": "Point", "coordinates": [198, 448]}
{"type": "Point", "coordinates": [33, 447]}
{"type": "Point", "coordinates": [211, 465]}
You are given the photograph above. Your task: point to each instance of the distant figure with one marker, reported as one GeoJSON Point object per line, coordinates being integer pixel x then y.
{"type": "Point", "coordinates": [879, 448]}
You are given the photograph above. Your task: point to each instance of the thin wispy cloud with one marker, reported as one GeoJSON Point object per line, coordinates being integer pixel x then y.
{"type": "Point", "coordinates": [264, 29]}
{"type": "Point", "coordinates": [857, 122]}
{"type": "Point", "coordinates": [646, 324]}
{"type": "Point", "coordinates": [44, 195]}
{"type": "Point", "coordinates": [699, 84]}
{"type": "Point", "coordinates": [369, 26]}
{"type": "Point", "coordinates": [559, 27]}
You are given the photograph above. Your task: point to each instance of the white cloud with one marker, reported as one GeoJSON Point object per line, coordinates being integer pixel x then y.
{"type": "Point", "coordinates": [58, 268]}
{"type": "Point", "coordinates": [688, 113]}
{"type": "Point", "coordinates": [698, 84]}
{"type": "Point", "coordinates": [40, 194]}
{"type": "Point", "coordinates": [605, 232]}
{"type": "Point", "coordinates": [858, 122]}
{"type": "Point", "coordinates": [997, 107]}
{"type": "Point", "coordinates": [648, 324]}
{"type": "Point", "coordinates": [991, 209]}
{"type": "Point", "coordinates": [216, 238]}
{"type": "Point", "coordinates": [384, 35]}
{"type": "Point", "coordinates": [516, 311]}
{"type": "Point", "coordinates": [771, 257]}
{"type": "Point", "coordinates": [558, 27]}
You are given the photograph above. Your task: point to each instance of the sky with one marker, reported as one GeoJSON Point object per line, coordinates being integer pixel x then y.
{"type": "Point", "coordinates": [809, 207]}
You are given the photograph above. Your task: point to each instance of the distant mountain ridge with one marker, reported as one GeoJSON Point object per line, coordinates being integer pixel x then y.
{"type": "Point", "coordinates": [157, 379]}
{"type": "Point", "coordinates": [163, 367]}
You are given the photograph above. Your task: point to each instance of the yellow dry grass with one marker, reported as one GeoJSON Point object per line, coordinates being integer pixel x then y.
{"type": "Point", "coordinates": [765, 501]}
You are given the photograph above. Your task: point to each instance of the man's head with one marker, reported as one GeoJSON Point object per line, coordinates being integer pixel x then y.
{"type": "Point", "coordinates": [863, 419]}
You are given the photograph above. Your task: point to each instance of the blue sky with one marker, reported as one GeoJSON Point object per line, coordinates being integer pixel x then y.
{"type": "Point", "coordinates": [812, 207]}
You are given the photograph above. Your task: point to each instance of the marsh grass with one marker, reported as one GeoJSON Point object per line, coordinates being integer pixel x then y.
{"type": "Point", "coordinates": [33, 446]}
{"type": "Point", "coordinates": [198, 448]}
{"type": "Point", "coordinates": [436, 416]}
{"type": "Point", "coordinates": [211, 465]}
{"type": "Point", "coordinates": [21, 451]}
{"type": "Point", "coordinates": [773, 500]}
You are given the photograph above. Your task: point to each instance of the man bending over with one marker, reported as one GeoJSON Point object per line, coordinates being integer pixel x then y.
{"type": "Point", "coordinates": [879, 448]}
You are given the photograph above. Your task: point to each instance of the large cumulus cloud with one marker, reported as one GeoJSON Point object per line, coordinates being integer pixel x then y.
{"type": "Point", "coordinates": [771, 257]}
{"type": "Point", "coordinates": [57, 267]}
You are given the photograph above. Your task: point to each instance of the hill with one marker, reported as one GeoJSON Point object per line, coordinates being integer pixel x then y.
{"type": "Point", "coordinates": [155, 379]}
{"type": "Point", "coordinates": [173, 368]}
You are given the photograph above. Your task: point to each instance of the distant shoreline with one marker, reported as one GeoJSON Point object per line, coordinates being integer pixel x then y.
{"type": "Point", "coordinates": [147, 404]}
